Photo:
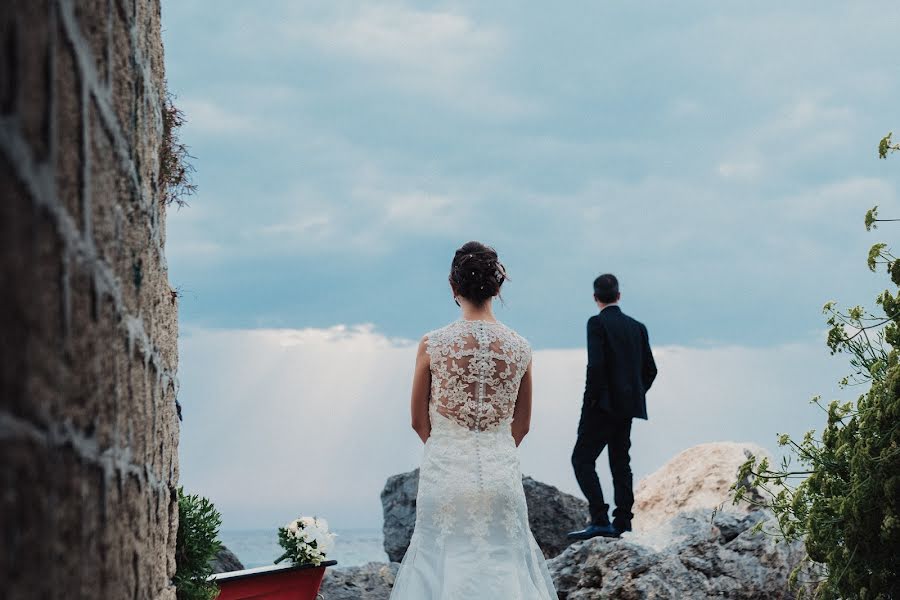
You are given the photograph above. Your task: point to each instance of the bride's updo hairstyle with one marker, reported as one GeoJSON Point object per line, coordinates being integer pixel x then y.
{"type": "Point", "coordinates": [476, 273]}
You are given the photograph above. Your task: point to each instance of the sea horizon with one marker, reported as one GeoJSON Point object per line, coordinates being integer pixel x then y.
{"type": "Point", "coordinates": [259, 547]}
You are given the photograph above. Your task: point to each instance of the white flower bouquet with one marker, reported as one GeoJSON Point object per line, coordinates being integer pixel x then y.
{"type": "Point", "coordinates": [305, 541]}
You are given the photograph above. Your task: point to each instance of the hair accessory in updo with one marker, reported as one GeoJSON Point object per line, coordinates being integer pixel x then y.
{"type": "Point", "coordinates": [476, 272]}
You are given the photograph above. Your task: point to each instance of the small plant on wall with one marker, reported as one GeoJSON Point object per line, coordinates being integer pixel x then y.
{"type": "Point", "coordinates": [196, 544]}
{"type": "Point", "coordinates": [175, 170]}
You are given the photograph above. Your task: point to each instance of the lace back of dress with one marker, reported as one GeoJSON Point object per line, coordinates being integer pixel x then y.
{"type": "Point", "coordinates": [476, 370]}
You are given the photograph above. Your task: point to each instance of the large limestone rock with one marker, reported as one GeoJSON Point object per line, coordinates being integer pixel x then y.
{"type": "Point", "coordinates": [699, 477]}
{"type": "Point", "coordinates": [705, 557]}
{"type": "Point", "coordinates": [371, 581]}
{"type": "Point", "coordinates": [689, 542]}
{"type": "Point", "coordinates": [551, 513]}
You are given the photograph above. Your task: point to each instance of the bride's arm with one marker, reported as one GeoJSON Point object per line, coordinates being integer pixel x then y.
{"type": "Point", "coordinates": [421, 390]}
{"type": "Point", "coordinates": [522, 414]}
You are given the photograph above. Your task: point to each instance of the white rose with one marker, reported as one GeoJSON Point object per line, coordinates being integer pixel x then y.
{"type": "Point", "coordinates": [312, 534]}
{"type": "Point", "coordinates": [326, 544]}
{"type": "Point", "coordinates": [307, 522]}
{"type": "Point", "coordinates": [324, 540]}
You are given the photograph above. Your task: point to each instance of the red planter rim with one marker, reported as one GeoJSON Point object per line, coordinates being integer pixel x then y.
{"type": "Point", "coordinates": [268, 570]}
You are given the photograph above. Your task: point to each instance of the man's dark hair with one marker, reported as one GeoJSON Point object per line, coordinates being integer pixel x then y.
{"type": "Point", "coordinates": [606, 288]}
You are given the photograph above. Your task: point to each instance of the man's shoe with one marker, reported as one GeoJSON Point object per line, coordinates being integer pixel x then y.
{"type": "Point", "coordinates": [592, 531]}
{"type": "Point", "coordinates": [622, 527]}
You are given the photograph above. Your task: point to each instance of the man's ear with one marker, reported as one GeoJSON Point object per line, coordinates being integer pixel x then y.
{"type": "Point", "coordinates": [618, 296]}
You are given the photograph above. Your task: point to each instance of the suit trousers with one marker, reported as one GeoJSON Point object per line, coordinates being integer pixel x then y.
{"type": "Point", "coordinates": [598, 430]}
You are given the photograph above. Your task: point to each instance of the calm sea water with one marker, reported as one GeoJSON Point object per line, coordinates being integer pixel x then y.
{"type": "Point", "coordinates": [259, 547]}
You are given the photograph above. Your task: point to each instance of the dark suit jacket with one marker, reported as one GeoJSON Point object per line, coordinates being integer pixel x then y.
{"type": "Point", "coordinates": [620, 364]}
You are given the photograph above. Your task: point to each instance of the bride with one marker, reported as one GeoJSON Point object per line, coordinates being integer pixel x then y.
{"type": "Point", "coordinates": [471, 405]}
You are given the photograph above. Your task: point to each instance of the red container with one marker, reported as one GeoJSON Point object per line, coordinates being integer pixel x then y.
{"type": "Point", "coordinates": [290, 582]}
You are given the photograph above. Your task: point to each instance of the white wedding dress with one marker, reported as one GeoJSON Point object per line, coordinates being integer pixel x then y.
{"type": "Point", "coordinates": [471, 538]}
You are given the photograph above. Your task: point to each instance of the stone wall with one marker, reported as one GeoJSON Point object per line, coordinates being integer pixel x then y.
{"type": "Point", "coordinates": [88, 423]}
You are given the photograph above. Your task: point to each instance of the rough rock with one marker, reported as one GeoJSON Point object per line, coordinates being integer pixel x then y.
{"type": "Point", "coordinates": [551, 513]}
{"type": "Point", "coordinates": [371, 581]}
{"type": "Point", "coordinates": [689, 541]}
{"type": "Point", "coordinates": [398, 503]}
{"type": "Point", "coordinates": [705, 557]}
{"type": "Point", "coordinates": [225, 561]}
{"type": "Point", "coordinates": [699, 477]}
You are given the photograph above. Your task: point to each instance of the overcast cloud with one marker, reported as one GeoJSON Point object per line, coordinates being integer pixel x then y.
{"type": "Point", "coordinates": [719, 157]}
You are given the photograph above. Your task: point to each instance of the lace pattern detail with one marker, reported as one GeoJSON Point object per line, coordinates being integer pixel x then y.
{"type": "Point", "coordinates": [476, 368]}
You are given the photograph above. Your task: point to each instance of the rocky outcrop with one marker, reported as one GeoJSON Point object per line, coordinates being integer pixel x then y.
{"type": "Point", "coordinates": [398, 503]}
{"type": "Point", "coordinates": [551, 513]}
{"type": "Point", "coordinates": [690, 542]}
{"type": "Point", "coordinates": [225, 561]}
{"type": "Point", "coordinates": [705, 557]}
{"type": "Point", "coordinates": [371, 581]}
{"type": "Point", "coordinates": [699, 477]}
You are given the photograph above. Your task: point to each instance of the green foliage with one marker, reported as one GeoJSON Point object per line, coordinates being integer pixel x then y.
{"type": "Point", "coordinates": [871, 218]}
{"type": "Point", "coordinates": [886, 146]}
{"type": "Point", "coordinates": [197, 542]}
{"type": "Point", "coordinates": [843, 497]}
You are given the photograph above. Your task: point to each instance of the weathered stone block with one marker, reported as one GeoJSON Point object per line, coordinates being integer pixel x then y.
{"type": "Point", "coordinates": [134, 261]}
{"type": "Point", "coordinates": [79, 403]}
{"type": "Point", "coordinates": [31, 305]}
{"type": "Point", "coordinates": [33, 18]}
{"type": "Point", "coordinates": [107, 188]}
{"type": "Point", "coordinates": [109, 365]}
{"type": "Point", "coordinates": [93, 19]}
{"type": "Point", "coordinates": [9, 41]}
{"type": "Point", "coordinates": [70, 130]}
{"type": "Point", "coordinates": [123, 73]}
{"type": "Point", "coordinates": [54, 499]}
{"type": "Point", "coordinates": [148, 17]}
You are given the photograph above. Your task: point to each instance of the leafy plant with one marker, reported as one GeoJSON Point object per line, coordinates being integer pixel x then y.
{"type": "Point", "coordinates": [886, 146]}
{"type": "Point", "coordinates": [197, 542]}
{"type": "Point", "coordinates": [843, 498]}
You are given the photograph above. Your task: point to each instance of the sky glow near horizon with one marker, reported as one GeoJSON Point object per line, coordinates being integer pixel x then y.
{"type": "Point", "coordinates": [315, 420]}
{"type": "Point", "coordinates": [718, 158]}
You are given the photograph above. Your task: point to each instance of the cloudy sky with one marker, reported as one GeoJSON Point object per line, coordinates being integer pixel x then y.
{"type": "Point", "coordinates": [718, 157]}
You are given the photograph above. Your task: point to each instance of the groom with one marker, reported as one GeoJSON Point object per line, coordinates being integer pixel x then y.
{"type": "Point", "coordinates": [620, 370]}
